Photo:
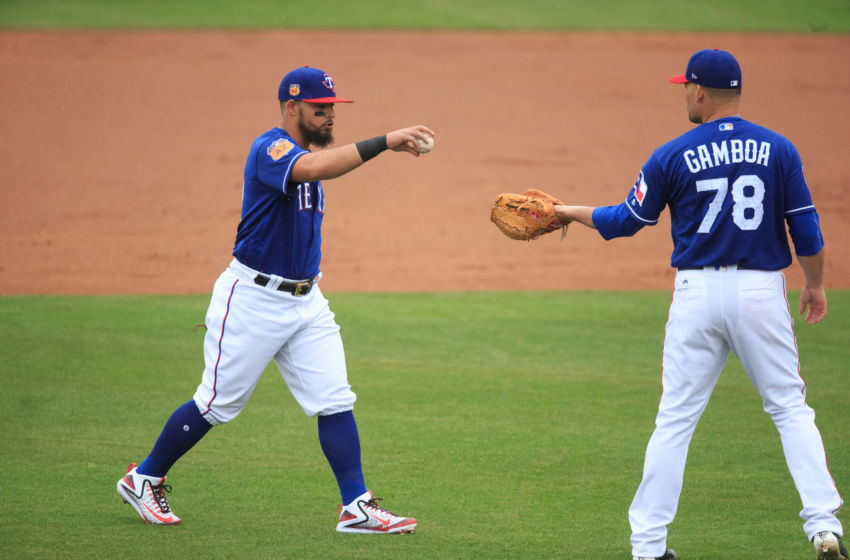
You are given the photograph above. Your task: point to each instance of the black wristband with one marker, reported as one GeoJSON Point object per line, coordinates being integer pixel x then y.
{"type": "Point", "coordinates": [371, 147]}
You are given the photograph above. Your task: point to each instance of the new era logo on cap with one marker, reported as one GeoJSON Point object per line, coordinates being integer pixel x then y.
{"type": "Point", "coordinates": [309, 84]}
{"type": "Point", "coordinates": [711, 68]}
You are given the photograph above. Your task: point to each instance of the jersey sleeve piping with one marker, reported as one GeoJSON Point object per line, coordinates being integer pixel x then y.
{"type": "Point", "coordinates": [800, 210]}
{"type": "Point", "coordinates": [638, 218]}
{"type": "Point", "coordinates": [289, 171]}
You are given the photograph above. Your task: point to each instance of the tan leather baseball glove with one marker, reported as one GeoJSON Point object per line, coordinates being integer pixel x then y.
{"type": "Point", "coordinates": [526, 216]}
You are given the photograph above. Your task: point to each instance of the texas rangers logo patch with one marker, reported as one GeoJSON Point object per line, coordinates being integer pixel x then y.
{"type": "Point", "coordinates": [294, 89]}
{"type": "Point", "coordinates": [328, 82]}
{"type": "Point", "coordinates": [279, 148]}
{"type": "Point", "coordinates": [640, 189]}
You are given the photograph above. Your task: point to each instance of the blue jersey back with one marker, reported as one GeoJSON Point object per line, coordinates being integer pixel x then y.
{"type": "Point", "coordinates": [730, 184]}
{"type": "Point", "coordinates": [280, 229]}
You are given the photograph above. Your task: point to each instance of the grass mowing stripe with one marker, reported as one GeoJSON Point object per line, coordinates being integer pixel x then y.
{"type": "Point", "coordinates": [512, 425]}
{"type": "Point", "coordinates": [831, 16]}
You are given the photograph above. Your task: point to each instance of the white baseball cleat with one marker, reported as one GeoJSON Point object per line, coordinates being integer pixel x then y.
{"type": "Point", "coordinates": [829, 546]}
{"type": "Point", "coordinates": [364, 515]}
{"type": "Point", "coordinates": [147, 496]}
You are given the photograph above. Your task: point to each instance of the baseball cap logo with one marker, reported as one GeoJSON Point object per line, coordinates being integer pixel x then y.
{"type": "Point", "coordinates": [308, 84]}
{"type": "Point", "coordinates": [711, 68]}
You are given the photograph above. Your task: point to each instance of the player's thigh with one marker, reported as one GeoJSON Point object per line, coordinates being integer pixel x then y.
{"type": "Point", "coordinates": [763, 339]}
{"type": "Point", "coordinates": [312, 363]}
{"type": "Point", "coordinates": [245, 329]}
{"type": "Point", "coordinates": [694, 349]}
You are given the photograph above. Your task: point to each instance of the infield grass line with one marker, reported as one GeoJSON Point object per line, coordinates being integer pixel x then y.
{"type": "Point", "coordinates": [786, 16]}
{"type": "Point", "coordinates": [512, 425]}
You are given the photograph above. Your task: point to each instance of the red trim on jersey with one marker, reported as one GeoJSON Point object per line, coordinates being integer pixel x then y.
{"type": "Point", "coordinates": [220, 338]}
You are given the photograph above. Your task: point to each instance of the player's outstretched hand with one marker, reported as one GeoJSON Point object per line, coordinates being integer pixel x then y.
{"type": "Point", "coordinates": [405, 139]}
{"type": "Point", "coordinates": [815, 300]}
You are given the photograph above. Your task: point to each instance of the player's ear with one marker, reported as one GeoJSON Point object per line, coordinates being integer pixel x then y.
{"type": "Point", "coordinates": [288, 107]}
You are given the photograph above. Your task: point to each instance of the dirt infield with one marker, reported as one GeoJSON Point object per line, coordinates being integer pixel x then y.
{"type": "Point", "coordinates": [122, 153]}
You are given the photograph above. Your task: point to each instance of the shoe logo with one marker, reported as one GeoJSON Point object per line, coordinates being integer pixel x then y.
{"type": "Point", "coordinates": [369, 511]}
{"type": "Point", "coordinates": [375, 513]}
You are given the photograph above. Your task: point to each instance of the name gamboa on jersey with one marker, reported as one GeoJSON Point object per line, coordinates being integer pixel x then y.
{"type": "Point", "coordinates": [739, 180]}
{"type": "Point", "coordinates": [280, 229]}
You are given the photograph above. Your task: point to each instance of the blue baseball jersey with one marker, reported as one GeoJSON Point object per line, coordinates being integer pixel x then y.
{"type": "Point", "coordinates": [730, 185]}
{"type": "Point", "coordinates": [281, 227]}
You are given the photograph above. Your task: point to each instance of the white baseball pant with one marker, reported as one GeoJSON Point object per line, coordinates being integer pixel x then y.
{"type": "Point", "coordinates": [248, 326]}
{"type": "Point", "coordinates": [715, 312]}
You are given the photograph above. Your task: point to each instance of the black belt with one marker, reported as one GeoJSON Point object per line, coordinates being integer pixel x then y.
{"type": "Point", "coordinates": [296, 288]}
{"type": "Point", "coordinates": [740, 267]}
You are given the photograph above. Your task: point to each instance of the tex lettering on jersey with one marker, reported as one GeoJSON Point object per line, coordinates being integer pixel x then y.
{"type": "Point", "coordinates": [280, 229]}
{"type": "Point", "coordinates": [310, 198]}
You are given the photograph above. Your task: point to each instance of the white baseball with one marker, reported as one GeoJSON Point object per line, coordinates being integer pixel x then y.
{"type": "Point", "coordinates": [426, 146]}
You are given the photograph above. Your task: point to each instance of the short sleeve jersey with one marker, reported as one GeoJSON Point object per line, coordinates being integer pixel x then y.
{"type": "Point", "coordinates": [730, 184]}
{"type": "Point", "coordinates": [280, 229]}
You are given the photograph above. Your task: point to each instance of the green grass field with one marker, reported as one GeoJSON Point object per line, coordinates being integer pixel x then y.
{"type": "Point", "coordinates": [820, 16]}
{"type": "Point", "coordinates": [512, 425]}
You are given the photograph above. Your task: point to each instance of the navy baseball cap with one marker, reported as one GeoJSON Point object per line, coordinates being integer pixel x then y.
{"type": "Point", "coordinates": [309, 84]}
{"type": "Point", "coordinates": [711, 68]}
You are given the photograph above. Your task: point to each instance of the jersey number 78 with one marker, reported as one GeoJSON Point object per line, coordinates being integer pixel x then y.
{"type": "Point", "coordinates": [743, 199]}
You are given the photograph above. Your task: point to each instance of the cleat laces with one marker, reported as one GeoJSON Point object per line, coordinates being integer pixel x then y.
{"type": "Point", "coordinates": [159, 496]}
{"type": "Point", "coordinates": [373, 505]}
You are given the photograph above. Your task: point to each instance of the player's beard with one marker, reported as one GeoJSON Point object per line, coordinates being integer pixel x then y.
{"type": "Point", "coordinates": [319, 137]}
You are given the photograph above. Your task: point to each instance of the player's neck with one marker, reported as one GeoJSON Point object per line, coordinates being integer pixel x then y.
{"type": "Point", "coordinates": [294, 133]}
{"type": "Point", "coordinates": [721, 112]}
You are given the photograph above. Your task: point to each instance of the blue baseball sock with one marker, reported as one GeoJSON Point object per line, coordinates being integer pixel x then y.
{"type": "Point", "coordinates": [183, 430]}
{"type": "Point", "coordinates": [341, 445]}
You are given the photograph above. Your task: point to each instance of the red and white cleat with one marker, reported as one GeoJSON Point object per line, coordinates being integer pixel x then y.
{"type": "Point", "coordinates": [364, 515]}
{"type": "Point", "coordinates": [147, 496]}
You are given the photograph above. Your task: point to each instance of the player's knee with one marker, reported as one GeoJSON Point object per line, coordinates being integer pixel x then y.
{"type": "Point", "coordinates": [340, 401]}
{"type": "Point", "coordinates": [331, 410]}
{"type": "Point", "coordinates": [217, 414]}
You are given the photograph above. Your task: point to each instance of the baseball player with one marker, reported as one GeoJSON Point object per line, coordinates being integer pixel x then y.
{"type": "Point", "coordinates": [731, 186]}
{"type": "Point", "coordinates": [268, 306]}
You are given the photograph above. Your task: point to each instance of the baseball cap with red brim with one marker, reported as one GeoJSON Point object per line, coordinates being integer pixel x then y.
{"type": "Point", "coordinates": [711, 68]}
{"type": "Point", "coordinates": [310, 85]}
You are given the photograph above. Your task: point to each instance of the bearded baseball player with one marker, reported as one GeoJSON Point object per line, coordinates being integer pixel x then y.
{"type": "Point", "coordinates": [267, 306]}
{"type": "Point", "coordinates": [731, 187]}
